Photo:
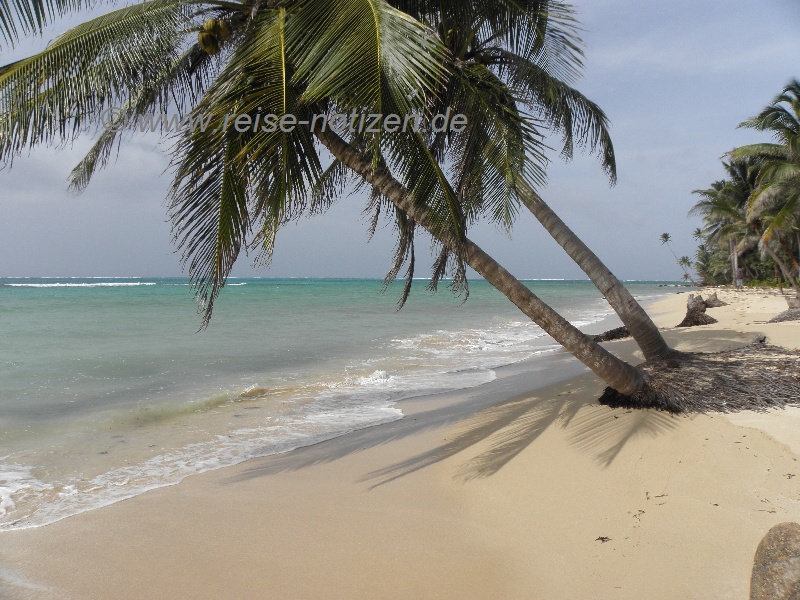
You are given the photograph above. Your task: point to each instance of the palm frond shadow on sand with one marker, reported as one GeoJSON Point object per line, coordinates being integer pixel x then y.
{"type": "Point", "coordinates": [357, 441]}
{"type": "Point", "coordinates": [512, 426]}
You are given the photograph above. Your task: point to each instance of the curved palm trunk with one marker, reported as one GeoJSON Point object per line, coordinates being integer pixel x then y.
{"type": "Point", "coordinates": [784, 269]}
{"type": "Point", "coordinates": [787, 248]}
{"type": "Point", "coordinates": [630, 312]}
{"type": "Point", "coordinates": [618, 374]}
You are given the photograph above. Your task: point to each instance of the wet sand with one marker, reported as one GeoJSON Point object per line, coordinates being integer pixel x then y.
{"type": "Point", "coordinates": [492, 492]}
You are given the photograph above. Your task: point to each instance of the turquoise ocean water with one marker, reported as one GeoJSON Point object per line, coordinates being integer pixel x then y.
{"type": "Point", "coordinates": [108, 389]}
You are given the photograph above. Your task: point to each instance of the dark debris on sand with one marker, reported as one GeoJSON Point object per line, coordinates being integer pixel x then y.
{"type": "Point", "coordinates": [756, 377]}
{"type": "Point", "coordinates": [713, 302]}
{"type": "Point", "coordinates": [792, 314]}
{"type": "Point", "coordinates": [696, 313]}
{"type": "Point", "coordinates": [620, 333]}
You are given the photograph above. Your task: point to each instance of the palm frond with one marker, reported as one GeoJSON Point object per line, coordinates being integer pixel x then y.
{"type": "Point", "coordinates": [209, 212]}
{"type": "Point", "coordinates": [403, 253]}
{"type": "Point", "coordinates": [56, 94]}
{"type": "Point", "coordinates": [364, 54]}
{"type": "Point", "coordinates": [498, 147]}
{"type": "Point", "coordinates": [25, 17]}
{"type": "Point", "coordinates": [543, 31]}
{"type": "Point", "coordinates": [276, 168]}
{"type": "Point", "coordinates": [774, 151]}
{"type": "Point", "coordinates": [423, 176]}
{"type": "Point", "coordinates": [331, 186]}
{"type": "Point", "coordinates": [181, 84]}
{"type": "Point", "coordinates": [564, 109]}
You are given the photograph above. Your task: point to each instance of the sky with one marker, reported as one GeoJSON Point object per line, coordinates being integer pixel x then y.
{"type": "Point", "coordinates": [675, 79]}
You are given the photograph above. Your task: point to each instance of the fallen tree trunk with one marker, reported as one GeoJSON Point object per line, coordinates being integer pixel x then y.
{"type": "Point", "coordinates": [619, 333]}
{"type": "Point", "coordinates": [787, 315]}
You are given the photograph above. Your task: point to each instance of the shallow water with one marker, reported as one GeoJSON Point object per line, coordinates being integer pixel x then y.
{"type": "Point", "coordinates": [108, 389]}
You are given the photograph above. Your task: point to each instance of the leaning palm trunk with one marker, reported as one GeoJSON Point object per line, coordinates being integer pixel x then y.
{"type": "Point", "coordinates": [618, 374]}
{"type": "Point", "coordinates": [633, 316]}
{"type": "Point", "coordinates": [787, 249]}
{"type": "Point", "coordinates": [784, 269]}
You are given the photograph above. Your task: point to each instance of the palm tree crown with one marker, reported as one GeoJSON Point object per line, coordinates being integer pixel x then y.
{"type": "Point", "coordinates": [777, 196]}
{"type": "Point", "coordinates": [507, 65]}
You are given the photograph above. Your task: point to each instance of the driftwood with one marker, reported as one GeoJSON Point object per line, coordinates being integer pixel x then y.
{"type": "Point", "coordinates": [696, 313]}
{"type": "Point", "coordinates": [612, 334]}
{"type": "Point", "coordinates": [793, 314]}
{"type": "Point", "coordinates": [787, 315]}
{"type": "Point", "coordinates": [713, 302]}
{"type": "Point", "coordinates": [756, 377]}
{"type": "Point", "coordinates": [776, 568]}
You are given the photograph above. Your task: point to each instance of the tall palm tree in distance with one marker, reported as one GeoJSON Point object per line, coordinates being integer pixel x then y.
{"type": "Point", "coordinates": [683, 262]}
{"type": "Point", "coordinates": [724, 219]}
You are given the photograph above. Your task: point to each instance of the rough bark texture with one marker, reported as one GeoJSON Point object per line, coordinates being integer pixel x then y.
{"type": "Point", "coordinates": [787, 315]}
{"type": "Point", "coordinates": [696, 313]}
{"type": "Point", "coordinates": [616, 373]}
{"type": "Point", "coordinates": [734, 260]}
{"type": "Point", "coordinates": [630, 312]}
{"type": "Point", "coordinates": [776, 568]}
{"type": "Point", "coordinates": [713, 302]}
{"type": "Point", "coordinates": [620, 333]}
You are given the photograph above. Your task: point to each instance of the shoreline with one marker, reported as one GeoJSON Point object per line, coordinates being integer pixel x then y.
{"type": "Point", "coordinates": [169, 461]}
{"type": "Point", "coordinates": [496, 490]}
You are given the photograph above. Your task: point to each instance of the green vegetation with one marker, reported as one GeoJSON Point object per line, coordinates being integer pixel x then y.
{"type": "Point", "coordinates": [509, 66]}
{"type": "Point", "coordinates": [684, 262]}
{"type": "Point", "coordinates": [752, 217]}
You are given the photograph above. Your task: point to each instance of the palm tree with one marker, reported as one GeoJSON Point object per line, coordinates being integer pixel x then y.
{"type": "Point", "coordinates": [683, 262]}
{"type": "Point", "coordinates": [234, 188]}
{"type": "Point", "coordinates": [499, 73]}
{"type": "Point", "coordinates": [724, 217]}
{"type": "Point", "coordinates": [725, 210]}
{"type": "Point", "coordinates": [776, 198]}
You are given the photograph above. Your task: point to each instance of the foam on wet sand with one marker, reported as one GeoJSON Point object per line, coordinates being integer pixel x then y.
{"type": "Point", "coordinates": [494, 491]}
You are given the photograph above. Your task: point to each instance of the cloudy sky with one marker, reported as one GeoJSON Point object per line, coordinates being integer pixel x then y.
{"type": "Point", "coordinates": [675, 79]}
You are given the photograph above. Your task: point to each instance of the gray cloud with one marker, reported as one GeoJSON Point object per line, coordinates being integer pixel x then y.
{"type": "Point", "coordinates": [675, 79]}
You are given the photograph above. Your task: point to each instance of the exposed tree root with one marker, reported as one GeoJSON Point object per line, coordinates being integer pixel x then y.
{"type": "Point", "coordinates": [788, 315]}
{"type": "Point", "coordinates": [713, 302]}
{"type": "Point", "coordinates": [619, 333]}
{"type": "Point", "coordinates": [693, 319]}
{"type": "Point", "coordinates": [696, 313]}
{"type": "Point", "coordinates": [756, 377]}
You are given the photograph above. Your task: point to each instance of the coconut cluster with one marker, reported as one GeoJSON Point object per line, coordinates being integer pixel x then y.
{"type": "Point", "coordinates": [213, 32]}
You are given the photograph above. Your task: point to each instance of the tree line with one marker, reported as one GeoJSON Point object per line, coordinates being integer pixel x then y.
{"type": "Point", "coordinates": [751, 218]}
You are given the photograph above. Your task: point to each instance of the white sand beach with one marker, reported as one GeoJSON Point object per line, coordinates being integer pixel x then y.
{"type": "Point", "coordinates": [524, 487]}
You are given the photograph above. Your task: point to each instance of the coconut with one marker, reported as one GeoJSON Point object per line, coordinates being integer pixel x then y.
{"type": "Point", "coordinates": [223, 30]}
{"type": "Point", "coordinates": [210, 26]}
{"type": "Point", "coordinates": [208, 42]}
